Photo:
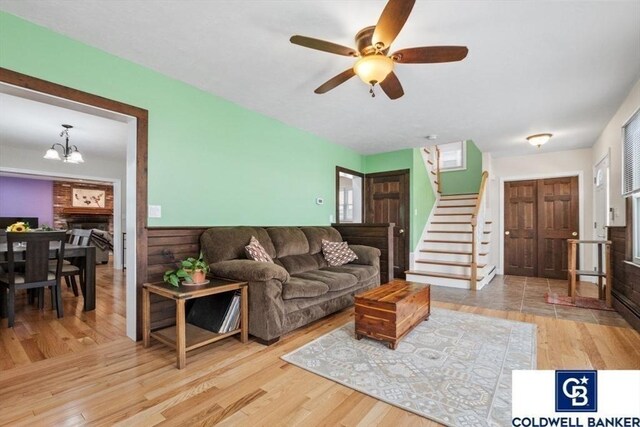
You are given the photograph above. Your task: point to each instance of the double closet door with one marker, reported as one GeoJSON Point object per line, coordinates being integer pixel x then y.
{"type": "Point", "coordinates": [539, 216]}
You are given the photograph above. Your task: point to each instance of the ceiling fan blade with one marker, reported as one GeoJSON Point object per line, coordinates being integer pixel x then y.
{"type": "Point", "coordinates": [335, 81]}
{"type": "Point", "coordinates": [322, 45]}
{"type": "Point", "coordinates": [430, 54]}
{"type": "Point", "coordinates": [391, 21]}
{"type": "Point", "coordinates": [391, 86]}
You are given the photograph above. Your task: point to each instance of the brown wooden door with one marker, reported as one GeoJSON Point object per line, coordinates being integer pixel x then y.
{"type": "Point", "coordinates": [520, 228]}
{"type": "Point", "coordinates": [539, 217]}
{"type": "Point", "coordinates": [557, 222]}
{"type": "Point", "coordinates": [387, 201]}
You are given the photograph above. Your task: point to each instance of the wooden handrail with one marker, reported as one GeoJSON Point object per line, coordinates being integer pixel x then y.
{"type": "Point", "coordinates": [474, 223]}
{"type": "Point", "coordinates": [483, 188]}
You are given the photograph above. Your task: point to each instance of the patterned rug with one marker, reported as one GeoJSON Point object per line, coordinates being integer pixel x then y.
{"type": "Point", "coordinates": [582, 302]}
{"type": "Point", "coordinates": [454, 368]}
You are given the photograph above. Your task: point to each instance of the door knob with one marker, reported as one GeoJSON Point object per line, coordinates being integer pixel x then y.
{"type": "Point", "coordinates": [574, 234]}
{"type": "Point", "coordinates": [506, 233]}
{"type": "Point", "coordinates": [401, 231]}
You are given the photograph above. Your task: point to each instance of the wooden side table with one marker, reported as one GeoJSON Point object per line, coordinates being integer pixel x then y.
{"type": "Point", "coordinates": [604, 292]}
{"type": "Point", "coordinates": [183, 336]}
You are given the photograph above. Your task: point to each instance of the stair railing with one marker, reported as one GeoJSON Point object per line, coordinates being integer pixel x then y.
{"type": "Point", "coordinates": [438, 169]}
{"type": "Point", "coordinates": [477, 229]}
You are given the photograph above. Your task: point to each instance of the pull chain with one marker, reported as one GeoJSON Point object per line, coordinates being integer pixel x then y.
{"type": "Point", "coordinates": [373, 95]}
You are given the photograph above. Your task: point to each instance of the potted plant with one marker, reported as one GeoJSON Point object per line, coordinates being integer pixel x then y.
{"type": "Point", "coordinates": [192, 271]}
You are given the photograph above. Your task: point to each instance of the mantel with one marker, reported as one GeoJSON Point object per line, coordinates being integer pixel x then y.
{"type": "Point", "coordinates": [87, 211]}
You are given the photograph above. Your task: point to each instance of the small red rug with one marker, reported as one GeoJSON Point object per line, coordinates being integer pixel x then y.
{"type": "Point", "coordinates": [581, 302]}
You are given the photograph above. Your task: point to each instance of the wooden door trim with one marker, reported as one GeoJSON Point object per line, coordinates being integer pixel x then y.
{"type": "Point", "coordinates": [406, 174]}
{"type": "Point", "coordinates": [501, 200]}
{"type": "Point", "coordinates": [142, 126]}
{"type": "Point", "coordinates": [350, 172]}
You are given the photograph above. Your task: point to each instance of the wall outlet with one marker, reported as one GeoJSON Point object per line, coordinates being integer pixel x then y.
{"type": "Point", "coordinates": [155, 211]}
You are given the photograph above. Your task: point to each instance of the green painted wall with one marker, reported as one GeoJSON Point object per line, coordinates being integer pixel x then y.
{"type": "Point", "coordinates": [422, 196]}
{"type": "Point", "coordinates": [211, 162]}
{"type": "Point", "coordinates": [465, 181]}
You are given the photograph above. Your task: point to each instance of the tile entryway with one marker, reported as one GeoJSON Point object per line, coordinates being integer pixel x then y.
{"type": "Point", "coordinates": [526, 295]}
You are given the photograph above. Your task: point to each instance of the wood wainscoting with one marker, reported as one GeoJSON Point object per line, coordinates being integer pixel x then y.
{"type": "Point", "coordinates": [377, 235]}
{"type": "Point", "coordinates": [166, 245]}
{"type": "Point", "coordinates": [626, 275]}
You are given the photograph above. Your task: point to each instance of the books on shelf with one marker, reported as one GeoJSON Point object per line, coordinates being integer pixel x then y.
{"type": "Point", "coordinates": [231, 319]}
{"type": "Point", "coordinates": [218, 313]}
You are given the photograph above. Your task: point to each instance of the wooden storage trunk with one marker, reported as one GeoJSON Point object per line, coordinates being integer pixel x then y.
{"type": "Point", "coordinates": [391, 311]}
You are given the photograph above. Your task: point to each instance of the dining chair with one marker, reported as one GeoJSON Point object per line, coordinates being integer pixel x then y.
{"type": "Point", "coordinates": [36, 274]}
{"type": "Point", "coordinates": [70, 268]}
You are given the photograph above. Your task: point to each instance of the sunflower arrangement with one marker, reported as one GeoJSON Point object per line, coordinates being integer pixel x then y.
{"type": "Point", "coordinates": [19, 227]}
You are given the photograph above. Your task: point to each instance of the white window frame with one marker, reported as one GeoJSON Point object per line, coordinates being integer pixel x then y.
{"type": "Point", "coordinates": [463, 154]}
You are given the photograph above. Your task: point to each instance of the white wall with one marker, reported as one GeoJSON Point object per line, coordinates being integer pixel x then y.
{"type": "Point", "coordinates": [611, 139]}
{"type": "Point", "coordinates": [544, 165]}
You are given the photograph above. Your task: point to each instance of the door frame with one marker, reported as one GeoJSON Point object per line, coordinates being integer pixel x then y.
{"type": "Point", "coordinates": [607, 156]}
{"type": "Point", "coordinates": [138, 145]}
{"type": "Point", "coordinates": [581, 224]}
{"type": "Point", "coordinates": [337, 177]}
{"type": "Point", "coordinates": [406, 200]}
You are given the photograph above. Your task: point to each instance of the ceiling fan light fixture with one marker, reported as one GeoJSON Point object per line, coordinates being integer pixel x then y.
{"type": "Point", "coordinates": [373, 69]}
{"type": "Point", "coordinates": [539, 139]}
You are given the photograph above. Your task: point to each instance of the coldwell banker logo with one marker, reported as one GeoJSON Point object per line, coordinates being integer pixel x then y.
{"type": "Point", "coordinates": [576, 391]}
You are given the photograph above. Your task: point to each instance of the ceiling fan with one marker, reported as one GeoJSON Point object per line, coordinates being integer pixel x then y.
{"type": "Point", "coordinates": [374, 65]}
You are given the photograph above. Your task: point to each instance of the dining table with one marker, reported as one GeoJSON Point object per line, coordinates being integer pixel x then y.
{"type": "Point", "coordinates": [86, 257]}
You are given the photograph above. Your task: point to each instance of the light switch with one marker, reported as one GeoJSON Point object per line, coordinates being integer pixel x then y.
{"type": "Point", "coordinates": [155, 211]}
{"type": "Point", "coordinates": [331, 219]}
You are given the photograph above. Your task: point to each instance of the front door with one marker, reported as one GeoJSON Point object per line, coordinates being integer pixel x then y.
{"type": "Point", "coordinates": [539, 217]}
{"type": "Point", "coordinates": [387, 201]}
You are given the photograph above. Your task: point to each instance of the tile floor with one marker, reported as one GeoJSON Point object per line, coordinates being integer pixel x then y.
{"type": "Point", "coordinates": [526, 295]}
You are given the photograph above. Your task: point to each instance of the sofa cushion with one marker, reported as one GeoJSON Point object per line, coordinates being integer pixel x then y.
{"type": "Point", "coordinates": [335, 281]}
{"type": "Point", "coordinates": [362, 272]}
{"type": "Point", "coordinates": [226, 243]}
{"type": "Point", "coordinates": [256, 252]}
{"type": "Point", "coordinates": [295, 264]}
{"type": "Point", "coordinates": [288, 241]}
{"type": "Point", "coordinates": [315, 236]}
{"type": "Point", "coordinates": [297, 287]}
{"type": "Point", "coordinates": [337, 253]}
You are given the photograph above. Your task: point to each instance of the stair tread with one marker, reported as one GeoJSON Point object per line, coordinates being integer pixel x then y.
{"type": "Point", "coordinates": [453, 222]}
{"type": "Point", "coordinates": [453, 242]}
{"type": "Point", "coordinates": [438, 251]}
{"type": "Point", "coordinates": [455, 231]}
{"type": "Point", "coordinates": [447, 214]}
{"type": "Point", "coordinates": [443, 275]}
{"type": "Point", "coordinates": [451, 263]}
{"type": "Point", "coordinates": [455, 206]}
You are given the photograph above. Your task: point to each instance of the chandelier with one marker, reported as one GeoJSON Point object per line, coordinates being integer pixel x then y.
{"type": "Point", "coordinates": [70, 153]}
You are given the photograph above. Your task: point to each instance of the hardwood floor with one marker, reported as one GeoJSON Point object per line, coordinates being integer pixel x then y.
{"type": "Point", "coordinates": [39, 335]}
{"type": "Point", "coordinates": [229, 383]}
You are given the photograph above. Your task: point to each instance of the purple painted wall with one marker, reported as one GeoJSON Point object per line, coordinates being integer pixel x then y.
{"type": "Point", "coordinates": [27, 197]}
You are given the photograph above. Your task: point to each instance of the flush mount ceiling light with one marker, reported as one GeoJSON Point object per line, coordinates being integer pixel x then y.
{"type": "Point", "coordinates": [70, 154]}
{"type": "Point", "coordinates": [539, 139]}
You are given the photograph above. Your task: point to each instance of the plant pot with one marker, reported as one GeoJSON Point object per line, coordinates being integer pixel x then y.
{"type": "Point", "coordinates": [198, 276]}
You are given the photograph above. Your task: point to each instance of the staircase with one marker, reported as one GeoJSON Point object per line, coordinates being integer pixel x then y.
{"type": "Point", "coordinates": [454, 250]}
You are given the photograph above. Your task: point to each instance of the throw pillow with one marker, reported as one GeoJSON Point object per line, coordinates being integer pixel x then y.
{"type": "Point", "coordinates": [256, 251]}
{"type": "Point", "coordinates": [337, 253]}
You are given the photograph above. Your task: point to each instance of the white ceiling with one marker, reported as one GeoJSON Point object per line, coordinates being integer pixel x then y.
{"type": "Point", "coordinates": [33, 121]}
{"type": "Point", "coordinates": [554, 66]}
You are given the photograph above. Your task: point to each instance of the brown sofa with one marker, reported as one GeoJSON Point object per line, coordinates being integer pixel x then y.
{"type": "Point", "coordinates": [298, 287]}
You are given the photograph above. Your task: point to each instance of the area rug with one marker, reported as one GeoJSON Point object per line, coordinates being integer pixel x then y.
{"type": "Point", "coordinates": [454, 368]}
{"type": "Point", "coordinates": [581, 302]}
